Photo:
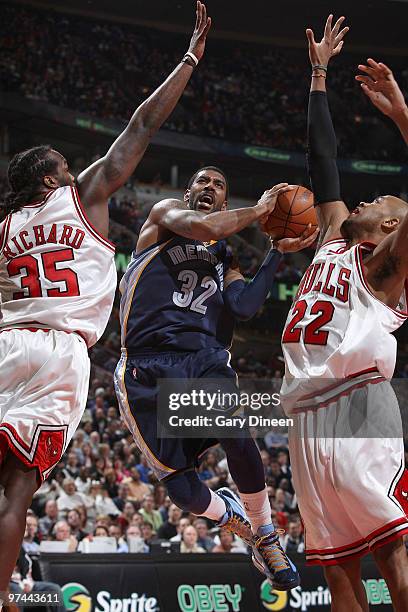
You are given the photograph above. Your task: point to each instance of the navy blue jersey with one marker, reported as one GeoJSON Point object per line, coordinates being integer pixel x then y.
{"type": "Point", "coordinates": [172, 296]}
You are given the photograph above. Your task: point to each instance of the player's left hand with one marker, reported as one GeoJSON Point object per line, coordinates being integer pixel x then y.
{"type": "Point", "coordinates": [291, 245]}
{"type": "Point", "coordinates": [202, 25]}
{"type": "Point", "coordinates": [381, 88]}
{"type": "Point", "coordinates": [331, 44]}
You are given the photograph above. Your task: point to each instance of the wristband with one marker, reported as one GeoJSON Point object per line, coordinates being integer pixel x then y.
{"type": "Point", "coordinates": [192, 56]}
{"type": "Point", "coordinates": [318, 76]}
{"type": "Point", "coordinates": [189, 61]}
{"type": "Point", "coordinates": [319, 67]}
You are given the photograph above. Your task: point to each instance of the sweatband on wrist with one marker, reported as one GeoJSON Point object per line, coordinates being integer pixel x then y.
{"type": "Point", "coordinates": [244, 300]}
{"type": "Point", "coordinates": [193, 57]}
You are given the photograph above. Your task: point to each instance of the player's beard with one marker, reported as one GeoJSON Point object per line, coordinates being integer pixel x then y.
{"type": "Point", "coordinates": [347, 229]}
{"type": "Point", "coordinates": [351, 229]}
{"type": "Point", "coordinates": [354, 229]}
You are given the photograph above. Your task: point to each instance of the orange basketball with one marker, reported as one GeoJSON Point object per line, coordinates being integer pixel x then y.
{"type": "Point", "coordinates": [293, 212]}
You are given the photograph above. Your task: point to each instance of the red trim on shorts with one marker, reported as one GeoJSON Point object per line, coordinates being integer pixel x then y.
{"type": "Point", "coordinates": [361, 273]}
{"type": "Point", "coordinates": [398, 528]}
{"type": "Point", "coordinates": [47, 446]}
{"type": "Point", "coordinates": [391, 538]}
{"type": "Point", "coordinates": [46, 329]}
{"type": "Point", "coordinates": [338, 561]}
{"type": "Point", "coordinates": [388, 526]}
{"type": "Point", "coordinates": [336, 384]}
{"type": "Point", "coordinates": [334, 398]}
{"type": "Point", "coordinates": [85, 220]}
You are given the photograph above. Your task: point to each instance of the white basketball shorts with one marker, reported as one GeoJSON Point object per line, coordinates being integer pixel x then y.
{"type": "Point", "coordinates": [44, 379]}
{"type": "Point", "coordinates": [352, 491]}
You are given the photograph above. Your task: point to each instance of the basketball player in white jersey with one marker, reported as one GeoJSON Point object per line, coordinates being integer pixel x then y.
{"type": "Point", "coordinates": [346, 446]}
{"type": "Point", "coordinates": [57, 285]}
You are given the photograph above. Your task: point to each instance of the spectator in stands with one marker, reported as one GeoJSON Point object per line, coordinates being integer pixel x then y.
{"type": "Point", "coordinates": [133, 531]}
{"type": "Point", "coordinates": [127, 514]}
{"type": "Point", "coordinates": [47, 522]}
{"type": "Point", "coordinates": [22, 582]}
{"type": "Point", "coordinates": [169, 529]}
{"type": "Point", "coordinates": [83, 480]}
{"type": "Point", "coordinates": [149, 514]}
{"type": "Point", "coordinates": [74, 521]}
{"type": "Point", "coordinates": [160, 499]}
{"type": "Point", "coordinates": [144, 469]}
{"type": "Point", "coordinates": [71, 469]}
{"type": "Point", "coordinates": [30, 542]}
{"type": "Point", "coordinates": [189, 541]}
{"type": "Point", "coordinates": [137, 489]}
{"type": "Point", "coordinates": [103, 503]}
{"type": "Point", "coordinates": [115, 531]}
{"type": "Point", "coordinates": [229, 544]}
{"type": "Point", "coordinates": [148, 534]}
{"type": "Point", "coordinates": [204, 539]}
{"type": "Point", "coordinates": [110, 483]}
{"type": "Point", "coordinates": [122, 496]}
{"type": "Point", "coordinates": [69, 498]}
{"type": "Point", "coordinates": [183, 523]}
{"type": "Point", "coordinates": [293, 540]}
{"type": "Point", "coordinates": [62, 533]}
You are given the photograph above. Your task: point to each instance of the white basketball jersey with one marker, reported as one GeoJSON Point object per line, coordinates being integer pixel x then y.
{"type": "Point", "coordinates": [337, 328]}
{"type": "Point", "coordinates": [56, 270]}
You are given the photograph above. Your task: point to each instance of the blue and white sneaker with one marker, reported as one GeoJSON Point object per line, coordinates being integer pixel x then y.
{"type": "Point", "coordinates": [267, 554]}
{"type": "Point", "coordinates": [235, 518]}
{"type": "Point", "coordinates": [278, 568]}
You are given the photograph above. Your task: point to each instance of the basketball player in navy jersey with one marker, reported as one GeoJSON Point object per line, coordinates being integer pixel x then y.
{"type": "Point", "coordinates": [173, 293]}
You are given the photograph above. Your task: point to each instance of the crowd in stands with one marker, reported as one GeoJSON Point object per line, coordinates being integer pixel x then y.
{"type": "Point", "coordinates": [241, 92]}
{"type": "Point", "coordinates": [103, 486]}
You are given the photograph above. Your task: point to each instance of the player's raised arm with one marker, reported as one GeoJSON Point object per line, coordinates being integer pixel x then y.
{"type": "Point", "coordinates": [380, 86]}
{"type": "Point", "coordinates": [245, 299]}
{"type": "Point", "coordinates": [322, 145]}
{"type": "Point", "coordinates": [175, 217]}
{"type": "Point", "coordinates": [109, 173]}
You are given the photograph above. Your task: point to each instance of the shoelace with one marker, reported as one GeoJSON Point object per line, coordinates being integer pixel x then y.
{"type": "Point", "coordinates": [272, 551]}
{"type": "Point", "coordinates": [239, 526]}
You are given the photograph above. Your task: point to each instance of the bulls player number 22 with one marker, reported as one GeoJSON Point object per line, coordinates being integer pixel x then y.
{"type": "Point", "coordinates": [30, 280]}
{"type": "Point", "coordinates": [313, 332]}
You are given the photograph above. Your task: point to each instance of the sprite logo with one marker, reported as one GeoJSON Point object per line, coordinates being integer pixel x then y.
{"type": "Point", "coordinates": [76, 597]}
{"type": "Point", "coordinates": [271, 599]}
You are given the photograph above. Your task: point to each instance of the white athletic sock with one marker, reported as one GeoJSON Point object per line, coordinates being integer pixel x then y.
{"type": "Point", "coordinates": [258, 509]}
{"type": "Point", "coordinates": [216, 509]}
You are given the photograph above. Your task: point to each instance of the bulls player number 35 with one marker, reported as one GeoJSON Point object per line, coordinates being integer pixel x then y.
{"type": "Point", "coordinates": [29, 267]}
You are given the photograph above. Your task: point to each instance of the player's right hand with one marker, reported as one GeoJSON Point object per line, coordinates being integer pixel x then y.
{"type": "Point", "coordinates": [380, 86]}
{"type": "Point", "coordinates": [202, 25]}
{"type": "Point", "coordinates": [330, 45]}
{"type": "Point", "coordinates": [267, 202]}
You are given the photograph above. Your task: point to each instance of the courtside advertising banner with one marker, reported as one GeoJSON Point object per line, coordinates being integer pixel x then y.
{"type": "Point", "coordinates": [191, 583]}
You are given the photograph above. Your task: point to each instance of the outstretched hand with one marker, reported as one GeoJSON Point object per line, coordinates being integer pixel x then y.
{"type": "Point", "coordinates": [267, 201]}
{"type": "Point", "coordinates": [202, 26]}
{"type": "Point", "coordinates": [291, 245]}
{"type": "Point", "coordinates": [381, 88]}
{"type": "Point", "coordinates": [331, 43]}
